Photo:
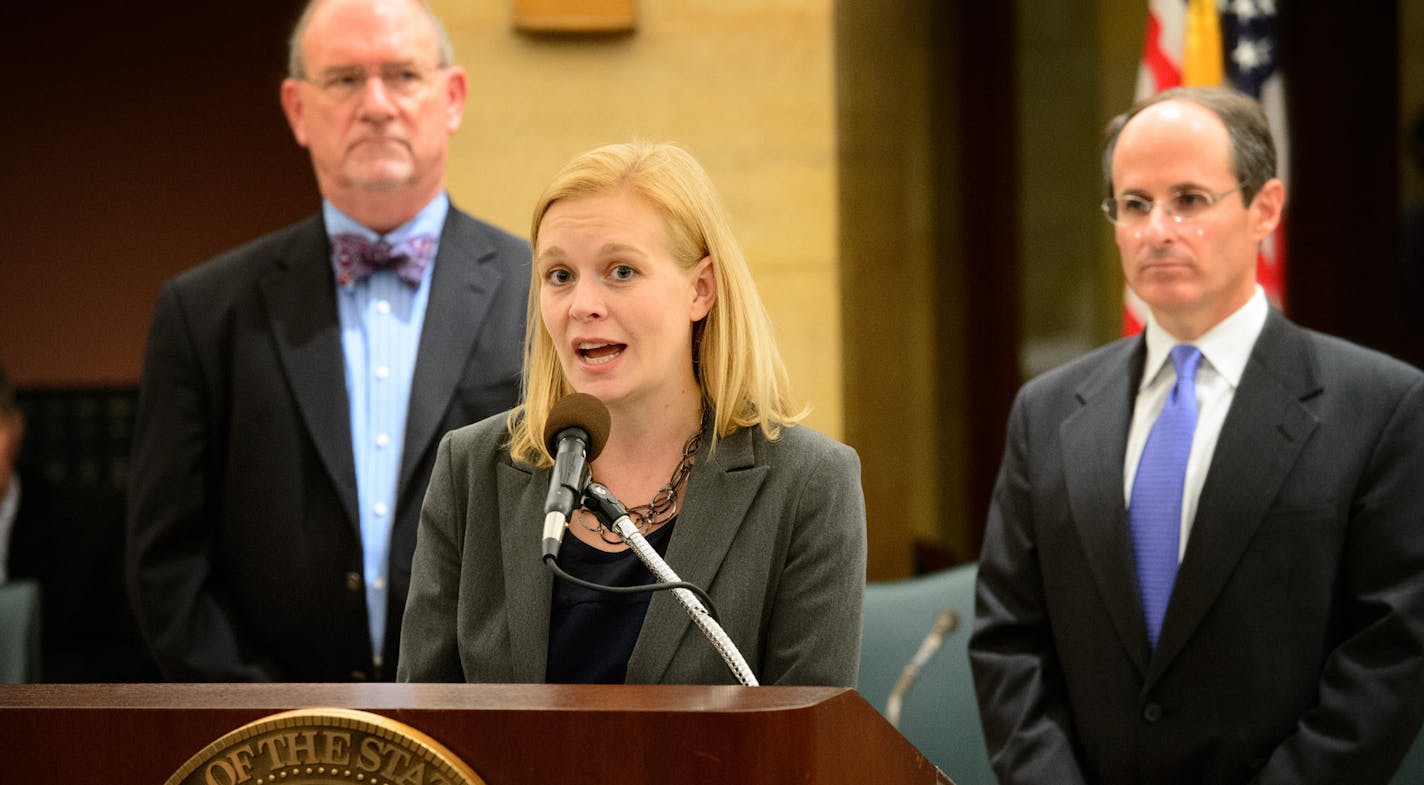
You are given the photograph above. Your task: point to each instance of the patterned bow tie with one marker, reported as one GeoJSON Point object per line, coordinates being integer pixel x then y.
{"type": "Point", "coordinates": [354, 257]}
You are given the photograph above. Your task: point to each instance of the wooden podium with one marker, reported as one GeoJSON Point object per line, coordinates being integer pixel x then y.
{"type": "Point", "coordinates": [140, 734]}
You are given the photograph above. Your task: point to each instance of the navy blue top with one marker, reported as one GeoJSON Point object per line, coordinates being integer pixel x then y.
{"type": "Point", "coordinates": [591, 632]}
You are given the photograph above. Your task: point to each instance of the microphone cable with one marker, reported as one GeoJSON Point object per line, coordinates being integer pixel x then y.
{"type": "Point", "coordinates": [552, 561]}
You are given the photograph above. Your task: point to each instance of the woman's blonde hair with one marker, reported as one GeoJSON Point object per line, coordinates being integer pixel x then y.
{"type": "Point", "coordinates": [735, 358]}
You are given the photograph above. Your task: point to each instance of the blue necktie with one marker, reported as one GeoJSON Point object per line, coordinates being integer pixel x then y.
{"type": "Point", "coordinates": [1155, 512]}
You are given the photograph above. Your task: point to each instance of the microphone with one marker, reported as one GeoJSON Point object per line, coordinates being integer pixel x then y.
{"type": "Point", "coordinates": [575, 433]}
{"type": "Point", "coordinates": [944, 623]}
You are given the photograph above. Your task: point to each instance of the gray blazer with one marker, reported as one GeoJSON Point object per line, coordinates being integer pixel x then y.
{"type": "Point", "coordinates": [773, 531]}
{"type": "Point", "coordinates": [1293, 647]}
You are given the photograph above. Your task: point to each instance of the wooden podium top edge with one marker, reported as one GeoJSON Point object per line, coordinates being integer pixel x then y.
{"type": "Point", "coordinates": [496, 697]}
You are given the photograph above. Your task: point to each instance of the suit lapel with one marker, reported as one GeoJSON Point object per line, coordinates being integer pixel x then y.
{"type": "Point", "coordinates": [1261, 439]}
{"type": "Point", "coordinates": [528, 583]}
{"type": "Point", "coordinates": [728, 482]}
{"type": "Point", "coordinates": [719, 493]}
{"type": "Point", "coordinates": [1094, 440]}
{"type": "Point", "coordinates": [300, 295]}
{"type": "Point", "coordinates": [463, 285]}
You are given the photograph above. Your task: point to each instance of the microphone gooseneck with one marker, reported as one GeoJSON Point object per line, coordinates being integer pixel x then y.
{"type": "Point", "coordinates": [944, 623]}
{"type": "Point", "coordinates": [611, 512]}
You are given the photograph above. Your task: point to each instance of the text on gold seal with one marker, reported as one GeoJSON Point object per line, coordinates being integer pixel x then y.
{"type": "Point", "coordinates": [325, 747]}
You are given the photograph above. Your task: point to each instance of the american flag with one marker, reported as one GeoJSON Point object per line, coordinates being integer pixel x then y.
{"type": "Point", "coordinates": [1211, 42]}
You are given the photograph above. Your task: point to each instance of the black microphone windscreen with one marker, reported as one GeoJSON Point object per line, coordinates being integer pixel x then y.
{"type": "Point", "coordinates": [582, 410]}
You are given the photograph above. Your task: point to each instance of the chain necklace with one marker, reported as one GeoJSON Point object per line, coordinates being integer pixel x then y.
{"type": "Point", "coordinates": [663, 506]}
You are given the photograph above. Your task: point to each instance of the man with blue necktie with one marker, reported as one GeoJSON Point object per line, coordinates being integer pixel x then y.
{"type": "Point", "coordinates": [295, 388]}
{"type": "Point", "coordinates": [1204, 560]}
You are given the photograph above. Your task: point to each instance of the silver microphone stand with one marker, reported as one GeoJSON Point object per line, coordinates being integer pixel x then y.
{"type": "Point", "coordinates": [615, 516]}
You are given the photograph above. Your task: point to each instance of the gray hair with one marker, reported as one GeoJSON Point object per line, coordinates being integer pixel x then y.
{"type": "Point", "coordinates": [1253, 150]}
{"type": "Point", "coordinates": [297, 68]}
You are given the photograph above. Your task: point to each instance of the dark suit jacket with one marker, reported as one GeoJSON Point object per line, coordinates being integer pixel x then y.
{"type": "Point", "coordinates": [244, 555]}
{"type": "Point", "coordinates": [773, 531]}
{"type": "Point", "coordinates": [1293, 647]}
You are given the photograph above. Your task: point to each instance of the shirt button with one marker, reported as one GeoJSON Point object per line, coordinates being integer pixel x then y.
{"type": "Point", "coordinates": [353, 581]}
{"type": "Point", "coordinates": [380, 508]}
{"type": "Point", "coordinates": [383, 307]}
{"type": "Point", "coordinates": [383, 440]}
{"type": "Point", "coordinates": [379, 583]}
{"type": "Point", "coordinates": [1152, 713]}
{"type": "Point", "coordinates": [382, 372]}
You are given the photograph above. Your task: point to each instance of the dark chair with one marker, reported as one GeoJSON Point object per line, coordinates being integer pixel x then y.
{"type": "Point", "coordinates": [1411, 771]}
{"type": "Point", "coordinates": [19, 632]}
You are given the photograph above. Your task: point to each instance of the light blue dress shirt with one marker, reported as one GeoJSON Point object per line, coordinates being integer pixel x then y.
{"type": "Point", "coordinates": [381, 319]}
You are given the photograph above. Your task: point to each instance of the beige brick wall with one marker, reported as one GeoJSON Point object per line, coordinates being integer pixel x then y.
{"type": "Point", "coordinates": [746, 85]}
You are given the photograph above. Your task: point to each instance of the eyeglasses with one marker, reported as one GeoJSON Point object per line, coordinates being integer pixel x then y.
{"type": "Point", "coordinates": [403, 80]}
{"type": "Point", "coordinates": [1182, 206]}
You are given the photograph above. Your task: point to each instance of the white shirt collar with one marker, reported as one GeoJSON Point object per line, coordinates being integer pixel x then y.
{"type": "Point", "coordinates": [1225, 347]}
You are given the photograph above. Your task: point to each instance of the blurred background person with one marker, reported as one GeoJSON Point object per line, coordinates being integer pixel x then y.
{"type": "Point", "coordinates": [12, 435]}
{"type": "Point", "coordinates": [69, 541]}
{"type": "Point", "coordinates": [294, 389]}
{"type": "Point", "coordinates": [641, 297]}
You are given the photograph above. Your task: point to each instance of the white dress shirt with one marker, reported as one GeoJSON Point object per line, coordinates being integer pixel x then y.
{"type": "Point", "coordinates": [1225, 349]}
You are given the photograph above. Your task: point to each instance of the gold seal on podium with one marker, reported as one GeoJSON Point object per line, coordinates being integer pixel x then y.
{"type": "Point", "coordinates": [325, 747]}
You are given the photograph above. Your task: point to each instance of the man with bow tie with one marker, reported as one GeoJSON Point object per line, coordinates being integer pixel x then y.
{"type": "Point", "coordinates": [295, 388]}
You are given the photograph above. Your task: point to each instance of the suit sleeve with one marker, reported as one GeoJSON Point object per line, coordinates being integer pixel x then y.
{"type": "Point", "coordinates": [1369, 709]}
{"type": "Point", "coordinates": [429, 649]}
{"type": "Point", "coordinates": [813, 637]}
{"type": "Point", "coordinates": [173, 513]}
{"type": "Point", "coordinates": [1023, 702]}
